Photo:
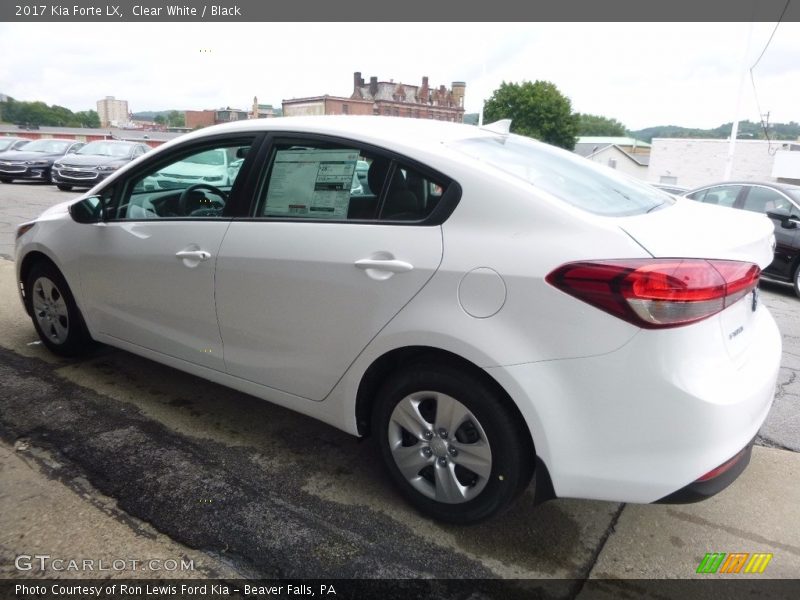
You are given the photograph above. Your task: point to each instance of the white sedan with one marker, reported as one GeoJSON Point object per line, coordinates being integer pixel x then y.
{"type": "Point", "coordinates": [493, 310]}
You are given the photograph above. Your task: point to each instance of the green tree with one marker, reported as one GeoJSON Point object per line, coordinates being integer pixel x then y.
{"type": "Point", "coordinates": [597, 125]}
{"type": "Point", "coordinates": [537, 110]}
{"type": "Point", "coordinates": [87, 118]}
{"type": "Point", "coordinates": [39, 113]}
{"type": "Point", "coordinates": [176, 118]}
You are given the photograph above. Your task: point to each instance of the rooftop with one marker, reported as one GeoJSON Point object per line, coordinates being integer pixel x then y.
{"type": "Point", "coordinates": [112, 132]}
{"type": "Point", "coordinates": [612, 140]}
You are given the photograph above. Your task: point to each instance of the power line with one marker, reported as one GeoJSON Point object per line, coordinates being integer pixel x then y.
{"type": "Point", "coordinates": [769, 41]}
{"type": "Point", "coordinates": [764, 125]}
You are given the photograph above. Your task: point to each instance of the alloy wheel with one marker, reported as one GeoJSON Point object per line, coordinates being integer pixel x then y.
{"type": "Point", "coordinates": [50, 310]}
{"type": "Point", "coordinates": [440, 447]}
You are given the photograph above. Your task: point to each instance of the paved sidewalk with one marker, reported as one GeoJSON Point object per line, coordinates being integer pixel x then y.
{"type": "Point", "coordinates": [759, 512]}
{"type": "Point", "coordinates": [41, 516]}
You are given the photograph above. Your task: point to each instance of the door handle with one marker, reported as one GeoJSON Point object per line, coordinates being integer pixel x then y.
{"type": "Point", "coordinates": [193, 254]}
{"type": "Point", "coordinates": [391, 265]}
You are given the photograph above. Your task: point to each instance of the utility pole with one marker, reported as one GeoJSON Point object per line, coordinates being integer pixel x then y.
{"type": "Point", "coordinates": [735, 127]}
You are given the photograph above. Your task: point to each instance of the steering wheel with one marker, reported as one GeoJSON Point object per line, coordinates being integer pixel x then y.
{"type": "Point", "coordinates": [183, 200]}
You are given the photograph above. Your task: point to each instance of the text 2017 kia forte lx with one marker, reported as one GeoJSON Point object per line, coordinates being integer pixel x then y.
{"type": "Point", "coordinates": [493, 310]}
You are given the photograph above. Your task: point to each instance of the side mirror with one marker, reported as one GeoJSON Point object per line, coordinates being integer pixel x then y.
{"type": "Point", "coordinates": [88, 210]}
{"type": "Point", "coordinates": [784, 216]}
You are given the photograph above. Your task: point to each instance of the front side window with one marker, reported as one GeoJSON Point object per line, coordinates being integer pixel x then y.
{"type": "Point", "coordinates": [195, 185]}
{"type": "Point", "coordinates": [333, 182]}
{"type": "Point", "coordinates": [761, 199]}
{"type": "Point", "coordinates": [571, 178]}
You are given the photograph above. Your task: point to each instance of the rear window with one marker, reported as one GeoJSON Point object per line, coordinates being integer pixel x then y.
{"type": "Point", "coordinates": [571, 178]}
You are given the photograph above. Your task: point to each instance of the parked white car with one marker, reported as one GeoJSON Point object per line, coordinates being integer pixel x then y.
{"type": "Point", "coordinates": [490, 309]}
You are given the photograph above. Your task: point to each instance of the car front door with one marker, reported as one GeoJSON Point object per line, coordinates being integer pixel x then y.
{"type": "Point", "coordinates": [316, 272]}
{"type": "Point", "coordinates": [762, 199]}
{"type": "Point", "coordinates": [149, 276]}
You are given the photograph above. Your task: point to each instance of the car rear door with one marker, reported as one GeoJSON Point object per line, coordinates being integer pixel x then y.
{"type": "Point", "coordinates": [313, 275]}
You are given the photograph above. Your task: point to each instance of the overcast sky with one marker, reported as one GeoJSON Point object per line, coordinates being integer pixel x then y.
{"type": "Point", "coordinates": [638, 73]}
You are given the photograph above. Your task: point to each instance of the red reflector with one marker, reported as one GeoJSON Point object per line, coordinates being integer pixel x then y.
{"type": "Point", "coordinates": [654, 293]}
{"type": "Point", "coordinates": [726, 466]}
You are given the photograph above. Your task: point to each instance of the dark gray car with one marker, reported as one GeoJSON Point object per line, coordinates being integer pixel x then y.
{"type": "Point", "coordinates": [781, 203]}
{"type": "Point", "coordinates": [35, 160]}
{"type": "Point", "coordinates": [94, 162]}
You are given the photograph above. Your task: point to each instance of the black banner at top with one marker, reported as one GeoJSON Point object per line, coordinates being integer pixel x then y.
{"type": "Point", "coordinates": [147, 11]}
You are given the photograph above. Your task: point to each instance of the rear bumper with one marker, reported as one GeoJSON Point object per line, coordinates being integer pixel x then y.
{"type": "Point", "coordinates": [703, 488]}
{"type": "Point", "coordinates": [648, 420]}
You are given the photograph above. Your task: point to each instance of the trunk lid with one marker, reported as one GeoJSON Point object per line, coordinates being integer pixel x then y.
{"type": "Point", "coordinates": [690, 229]}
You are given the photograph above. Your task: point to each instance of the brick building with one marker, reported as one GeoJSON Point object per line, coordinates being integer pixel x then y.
{"type": "Point", "coordinates": [386, 98]}
{"type": "Point", "coordinates": [205, 118]}
{"type": "Point", "coordinates": [327, 105]}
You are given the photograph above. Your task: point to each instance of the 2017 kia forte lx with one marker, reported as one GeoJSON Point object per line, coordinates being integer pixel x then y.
{"type": "Point", "coordinates": [488, 308]}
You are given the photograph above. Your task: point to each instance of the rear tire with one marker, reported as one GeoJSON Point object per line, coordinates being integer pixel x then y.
{"type": "Point", "coordinates": [55, 315]}
{"type": "Point", "coordinates": [63, 187]}
{"type": "Point", "coordinates": [451, 444]}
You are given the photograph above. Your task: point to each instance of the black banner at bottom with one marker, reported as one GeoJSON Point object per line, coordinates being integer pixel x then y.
{"type": "Point", "coordinates": [399, 589]}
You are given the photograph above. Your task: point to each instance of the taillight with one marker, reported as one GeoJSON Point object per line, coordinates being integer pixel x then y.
{"type": "Point", "coordinates": [656, 293]}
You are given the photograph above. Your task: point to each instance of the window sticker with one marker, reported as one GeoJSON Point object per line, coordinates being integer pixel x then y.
{"type": "Point", "coordinates": [311, 183]}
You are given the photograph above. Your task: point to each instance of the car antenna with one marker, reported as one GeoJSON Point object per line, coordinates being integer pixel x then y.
{"type": "Point", "coordinates": [503, 127]}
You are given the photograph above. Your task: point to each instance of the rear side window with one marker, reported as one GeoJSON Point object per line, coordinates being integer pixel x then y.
{"type": "Point", "coordinates": [723, 195]}
{"type": "Point", "coordinates": [325, 181]}
{"type": "Point", "coordinates": [566, 176]}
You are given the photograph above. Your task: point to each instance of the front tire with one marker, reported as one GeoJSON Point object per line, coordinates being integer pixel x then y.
{"type": "Point", "coordinates": [54, 313]}
{"type": "Point", "coordinates": [64, 187]}
{"type": "Point", "coordinates": [6, 180]}
{"type": "Point", "coordinates": [451, 444]}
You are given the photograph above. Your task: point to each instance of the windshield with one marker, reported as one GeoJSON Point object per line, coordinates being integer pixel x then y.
{"type": "Point", "coordinates": [48, 146]}
{"type": "Point", "coordinates": [569, 177]}
{"type": "Point", "coordinates": [106, 149]}
{"type": "Point", "coordinates": [6, 144]}
{"type": "Point", "coordinates": [212, 157]}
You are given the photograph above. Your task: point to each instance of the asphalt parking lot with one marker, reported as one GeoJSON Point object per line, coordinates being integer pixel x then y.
{"type": "Point", "coordinates": [116, 447]}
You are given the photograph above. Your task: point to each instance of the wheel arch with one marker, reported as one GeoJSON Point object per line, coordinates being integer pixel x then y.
{"type": "Point", "coordinates": [398, 358]}
{"type": "Point", "coordinates": [32, 258]}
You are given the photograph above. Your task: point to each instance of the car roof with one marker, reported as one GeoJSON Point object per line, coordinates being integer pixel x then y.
{"type": "Point", "coordinates": [410, 132]}
{"type": "Point", "coordinates": [113, 142]}
{"type": "Point", "coordinates": [770, 184]}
